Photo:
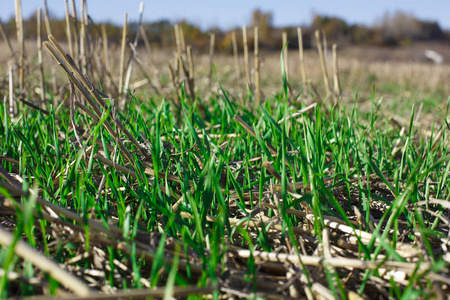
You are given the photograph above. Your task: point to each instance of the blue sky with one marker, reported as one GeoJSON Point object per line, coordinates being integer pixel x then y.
{"type": "Point", "coordinates": [233, 13]}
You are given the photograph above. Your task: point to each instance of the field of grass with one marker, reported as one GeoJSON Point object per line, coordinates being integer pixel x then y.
{"type": "Point", "coordinates": [175, 190]}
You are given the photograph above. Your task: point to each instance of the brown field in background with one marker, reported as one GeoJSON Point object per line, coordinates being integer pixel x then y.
{"type": "Point", "coordinates": [401, 75]}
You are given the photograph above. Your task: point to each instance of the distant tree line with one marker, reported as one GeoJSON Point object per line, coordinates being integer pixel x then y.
{"type": "Point", "coordinates": [398, 29]}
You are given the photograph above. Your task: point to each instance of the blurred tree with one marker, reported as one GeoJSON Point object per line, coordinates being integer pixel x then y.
{"type": "Point", "coordinates": [398, 27]}
{"type": "Point", "coordinates": [264, 23]}
{"type": "Point", "coordinates": [359, 34]}
{"type": "Point", "coordinates": [193, 35]}
{"type": "Point", "coordinates": [362, 35]}
{"type": "Point", "coordinates": [29, 27]}
{"type": "Point", "coordinates": [160, 33]}
{"type": "Point", "coordinates": [113, 32]}
{"type": "Point", "coordinates": [430, 31]}
{"type": "Point", "coordinates": [335, 28]}
{"type": "Point", "coordinates": [392, 29]}
{"type": "Point", "coordinates": [226, 44]}
{"type": "Point", "coordinates": [447, 35]}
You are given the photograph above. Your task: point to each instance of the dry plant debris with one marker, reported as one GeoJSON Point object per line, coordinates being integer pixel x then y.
{"type": "Point", "coordinates": [215, 197]}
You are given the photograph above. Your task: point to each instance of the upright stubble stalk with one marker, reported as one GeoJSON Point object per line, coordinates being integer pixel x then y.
{"type": "Point", "coordinates": [11, 91]}
{"type": "Point", "coordinates": [133, 54]}
{"type": "Point", "coordinates": [69, 29]}
{"type": "Point", "coordinates": [257, 89]}
{"type": "Point", "coordinates": [76, 49]}
{"type": "Point", "coordinates": [236, 64]}
{"type": "Point", "coordinates": [39, 46]}
{"type": "Point", "coordinates": [337, 87]}
{"type": "Point", "coordinates": [191, 71]}
{"type": "Point", "coordinates": [246, 62]}
{"type": "Point", "coordinates": [322, 63]}
{"type": "Point", "coordinates": [300, 54]}
{"type": "Point", "coordinates": [122, 53]}
{"type": "Point", "coordinates": [19, 28]}
{"type": "Point", "coordinates": [285, 54]}
{"type": "Point", "coordinates": [211, 55]}
{"type": "Point", "coordinates": [106, 60]}
{"type": "Point", "coordinates": [49, 32]}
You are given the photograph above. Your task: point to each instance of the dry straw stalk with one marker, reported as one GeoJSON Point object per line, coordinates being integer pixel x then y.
{"type": "Point", "coordinates": [322, 63]}
{"type": "Point", "coordinates": [246, 62]}
{"type": "Point", "coordinates": [122, 53]}
{"type": "Point", "coordinates": [212, 42]}
{"type": "Point", "coordinates": [337, 86]}
{"type": "Point", "coordinates": [20, 36]}
{"type": "Point", "coordinates": [40, 62]}
{"type": "Point", "coordinates": [69, 28]}
{"type": "Point", "coordinates": [257, 88]}
{"type": "Point", "coordinates": [89, 93]}
{"type": "Point", "coordinates": [300, 54]}
{"type": "Point", "coordinates": [25, 251]}
{"type": "Point", "coordinates": [286, 53]}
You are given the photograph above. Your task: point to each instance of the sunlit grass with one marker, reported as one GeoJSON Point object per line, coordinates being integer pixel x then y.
{"type": "Point", "coordinates": [208, 188]}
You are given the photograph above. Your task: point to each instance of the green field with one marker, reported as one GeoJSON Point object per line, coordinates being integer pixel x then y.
{"type": "Point", "coordinates": [189, 187]}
